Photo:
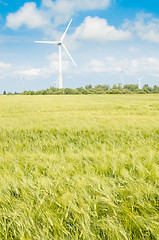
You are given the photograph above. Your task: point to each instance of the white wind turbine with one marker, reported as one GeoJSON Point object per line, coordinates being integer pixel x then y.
{"type": "Point", "coordinates": [59, 44]}
{"type": "Point", "coordinates": [140, 79]}
{"type": "Point", "coordinates": [122, 78]}
{"type": "Point", "coordinates": [56, 83]}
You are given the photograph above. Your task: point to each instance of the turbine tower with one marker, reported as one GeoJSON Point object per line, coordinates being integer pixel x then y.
{"type": "Point", "coordinates": [140, 79]}
{"type": "Point", "coordinates": [122, 78]}
{"type": "Point", "coordinates": [60, 44]}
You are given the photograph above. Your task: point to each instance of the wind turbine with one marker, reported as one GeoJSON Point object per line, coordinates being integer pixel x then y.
{"type": "Point", "coordinates": [122, 78]}
{"type": "Point", "coordinates": [56, 83]}
{"type": "Point", "coordinates": [60, 44]}
{"type": "Point", "coordinates": [140, 79]}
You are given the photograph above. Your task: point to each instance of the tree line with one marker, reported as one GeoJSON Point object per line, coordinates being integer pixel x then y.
{"type": "Point", "coordinates": [99, 89]}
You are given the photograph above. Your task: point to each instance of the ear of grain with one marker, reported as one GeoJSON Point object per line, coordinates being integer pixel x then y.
{"type": "Point", "coordinates": [79, 167]}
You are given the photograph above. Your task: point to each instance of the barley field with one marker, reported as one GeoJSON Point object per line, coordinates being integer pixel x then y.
{"type": "Point", "coordinates": [79, 167]}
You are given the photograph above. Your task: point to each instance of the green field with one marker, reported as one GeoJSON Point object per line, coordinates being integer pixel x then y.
{"type": "Point", "coordinates": [79, 167]}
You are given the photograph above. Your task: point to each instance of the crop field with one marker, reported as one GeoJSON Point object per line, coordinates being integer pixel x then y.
{"type": "Point", "coordinates": [79, 167]}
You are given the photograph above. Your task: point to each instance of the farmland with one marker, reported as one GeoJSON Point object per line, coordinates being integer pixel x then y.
{"type": "Point", "coordinates": [79, 167]}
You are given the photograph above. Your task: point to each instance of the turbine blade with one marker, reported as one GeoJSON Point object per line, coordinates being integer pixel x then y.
{"type": "Point", "coordinates": [69, 54]}
{"type": "Point", "coordinates": [62, 38]}
{"type": "Point", "coordinates": [50, 42]}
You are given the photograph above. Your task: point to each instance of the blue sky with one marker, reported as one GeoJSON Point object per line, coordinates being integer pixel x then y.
{"type": "Point", "coordinates": [105, 38]}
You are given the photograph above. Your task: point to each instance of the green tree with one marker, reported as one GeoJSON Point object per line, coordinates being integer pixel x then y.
{"type": "Point", "coordinates": [4, 92]}
{"type": "Point", "coordinates": [82, 90]}
{"type": "Point", "coordinates": [147, 89]}
{"type": "Point", "coordinates": [156, 89]}
{"type": "Point", "coordinates": [71, 91]}
{"type": "Point", "coordinates": [120, 86]}
{"type": "Point", "coordinates": [106, 87]}
{"type": "Point", "coordinates": [114, 91]}
{"type": "Point", "coordinates": [115, 86]}
{"type": "Point", "coordinates": [88, 86]}
{"type": "Point", "coordinates": [132, 87]}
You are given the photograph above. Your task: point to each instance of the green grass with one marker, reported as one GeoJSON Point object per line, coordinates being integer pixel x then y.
{"type": "Point", "coordinates": [79, 167]}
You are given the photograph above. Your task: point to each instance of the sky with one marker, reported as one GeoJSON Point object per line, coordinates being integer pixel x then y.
{"type": "Point", "coordinates": [110, 40]}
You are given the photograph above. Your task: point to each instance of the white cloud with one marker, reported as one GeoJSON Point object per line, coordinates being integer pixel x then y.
{"type": "Point", "coordinates": [32, 72]}
{"type": "Point", "coordinates": [57, 12]}
{"type": "Point", "coordinates": [98, 29]}
{"type": "Point", "coordinates": [53, 66]}
{"type": "Point", "coordinates": [133, 50]}
{"type": "Point", "coordinates": [95, 66]}
{"type": "Point", "coordinates": [27, 15]}
{"type": "Point", "coordinates": [147, 27]}
{"type": "Point", "coordinates": [5, 69]}
{"type": "Point", "coordinates": [44, 72]}
{"type": "Point", "coordinates": [4, 66]}
{"type": "Point", "coordinates": [63, 6]}
{"type": "Point", "coordinates": [64, 9]}
{"type": "Point", "coordinates": [148, 65]}
{"type": "Point", "coordinates": [108, 65]}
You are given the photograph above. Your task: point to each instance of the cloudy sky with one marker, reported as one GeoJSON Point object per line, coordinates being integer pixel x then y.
{"type": "Point", "coordinates": [105, 38]}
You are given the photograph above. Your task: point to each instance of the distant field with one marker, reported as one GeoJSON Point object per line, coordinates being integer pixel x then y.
{"type": "Point", "coordinates": [79, 167]}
